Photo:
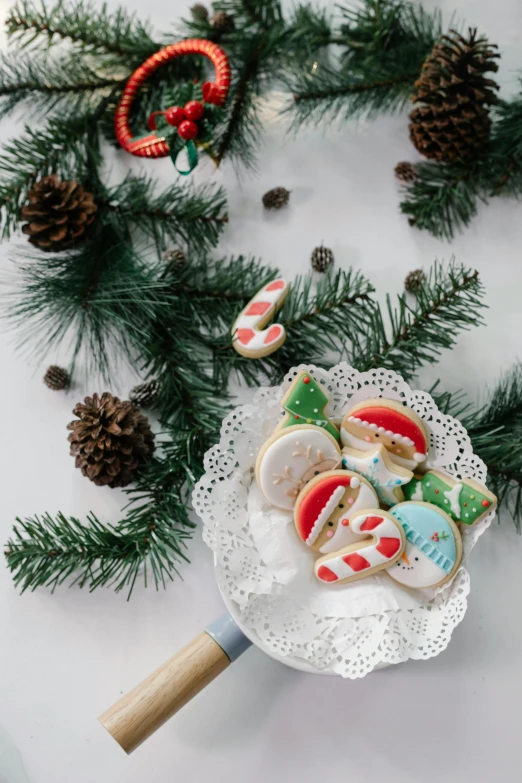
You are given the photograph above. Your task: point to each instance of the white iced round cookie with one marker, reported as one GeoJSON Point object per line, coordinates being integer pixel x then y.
{"type": "Point", "coordinates": [290, 458]}
{"type": "Point", "coordinates": [433, 546]}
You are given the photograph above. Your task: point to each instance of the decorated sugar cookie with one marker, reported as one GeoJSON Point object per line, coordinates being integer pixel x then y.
{"type": "Point", "coordinates": [324, 505]}
{"type": "Point", "coordinates": [304, 403]}
{"type": "Point", "coordinates": [384, 475]}
{"type": "Point", "coordinates": [384, 542]}
{"type": "Point", "coordinates": [399, 429]}
{"type": "Point", "coordinates": [250, 338]}
{"type": "Point", "coordinates": [464, 500]}
{"type": "Point", "coordinates": [290, 458]}
{"type": "Point", "coordinates": [433, 546]}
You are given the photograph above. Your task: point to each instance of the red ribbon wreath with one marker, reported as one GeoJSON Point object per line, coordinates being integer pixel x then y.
{"type": "Point", "coordinates": [150, 145]}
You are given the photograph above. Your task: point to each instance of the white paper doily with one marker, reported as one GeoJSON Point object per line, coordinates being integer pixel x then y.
{"type": "Point", "coordinates": [266, 574]}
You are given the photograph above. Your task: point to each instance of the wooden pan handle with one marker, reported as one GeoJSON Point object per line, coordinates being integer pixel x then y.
{"type": "Point", "coordinates": [138, 714]}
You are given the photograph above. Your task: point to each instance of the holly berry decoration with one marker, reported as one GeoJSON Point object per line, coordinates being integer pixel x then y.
{"type": "Point", "coordinates": [174, 115]}
{"type": "Point", "coordinates": [194, 110]}
{"type": "Point", "coordinates": [184, 117]}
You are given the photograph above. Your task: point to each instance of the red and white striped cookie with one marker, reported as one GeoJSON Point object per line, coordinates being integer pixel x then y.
{"type": "Point", "coordinates": [250, 338]}
{"type": "Point", "coordinates": [385, 544]}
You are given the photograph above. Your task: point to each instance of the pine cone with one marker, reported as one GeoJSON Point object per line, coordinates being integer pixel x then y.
{"type": "Point", "coordinates": [175, 257]}
{"type": "Point", "coordinates": [56, 378]}
{"type": "Point", "coordinates": [222, 22]}
{"type": "Point", "coordinates": [145, 394]}
{"type": "Point", "coordinates": [322, 257]}
{"type": "Point", "coordinates": [452, 120]}
{"type": "Point", "coordinates": [110, 439]}
{"type": "Point", "coordinates": [199, 12]}
{"type": "Point", "coordinates": [276, 198]}
{"type": "Point", "coordinates": [415, 281]}
{"type": "Point", "coordinates": [406, 172]}
{"type": "Point", "coordinates": [58, 213]}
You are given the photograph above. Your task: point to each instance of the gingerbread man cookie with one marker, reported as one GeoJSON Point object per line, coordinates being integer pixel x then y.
{"type": "Point", "coordinates": [290, 458]}
{"type": "Point", "coordinates": [250, 338]}
{"type": "Point", "coordinates": [433, 546]}
{"type": "Point", "coordinates": [324, 505]}
{"type": "Point", "coordinates": [464, 500]}
{"type": "Point", "coordinates": [399, 429]}
{"type": "Point", "coordinates": [384, 542]}
{"type": "Point", "coordinates": [384, 475]}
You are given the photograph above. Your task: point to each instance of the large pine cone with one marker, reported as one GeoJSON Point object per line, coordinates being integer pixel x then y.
{"type": "Point", "coordinates": [452, 120]}
{"type": "Point", "coordinates": [58, 213]}
{"type": "Point", "coordinates": [110, 439]}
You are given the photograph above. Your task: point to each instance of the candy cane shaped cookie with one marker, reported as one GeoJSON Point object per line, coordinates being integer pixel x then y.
{"type": "Point", "coordinates": [365, 557]}
{"type": "Point", "coordinates": [250, 338]}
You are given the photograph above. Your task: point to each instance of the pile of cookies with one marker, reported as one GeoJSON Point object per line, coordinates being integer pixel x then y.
{"type": "Point", "coordinates": [363, 497]}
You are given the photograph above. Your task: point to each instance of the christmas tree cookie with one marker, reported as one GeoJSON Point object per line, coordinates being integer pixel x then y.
{"type": "Point", "coordinates": [464, 501]}
{"type": "Point", "coordinates": [304, 403]}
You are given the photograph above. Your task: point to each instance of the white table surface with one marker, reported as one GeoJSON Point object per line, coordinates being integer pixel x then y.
{"type": "Point", "coordinates": [65, 657]}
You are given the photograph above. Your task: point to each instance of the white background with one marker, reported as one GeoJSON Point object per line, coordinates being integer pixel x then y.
{"type": "Point", "coordinates": [65, 657]}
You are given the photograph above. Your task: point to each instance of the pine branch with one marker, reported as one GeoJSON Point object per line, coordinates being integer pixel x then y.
{"type": "Point", "coordinates": [90, 28]}
{"type": "Point", "coordinates": [151, 539]}
{"type": "Point", "coordinates": [450, 301]}
{"type": "Point", "coordinates": [67, 84]}
{"type": "Point", "coordinates": [442, 199]}
{"type": "Point", "coordinates": [192, 216]}
{"type": "Point", "coordinates": [490, 427]}
{"type": "Point", "coordinates": [384, 45]}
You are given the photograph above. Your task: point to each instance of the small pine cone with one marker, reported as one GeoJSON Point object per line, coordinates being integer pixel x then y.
{"type": "Point", "coordinates": [145, 394]}
{"type": "Point", "coordinates": [222, 22]}
{"type": "Point", "coordinates": [199, 12]}
{"type": "Point", "coordinates": [276, 198]}
{"type": "Point", "coordinates": [56, 378]}
{"type": "Point", "coordinates": [406, 172]}
{"type": "Point", "coordinates": [322, 257]}
{"type": "Point", "coordinates": [110, 439]}
{"type": "Point", "coordinates": [415, 281]}
{"type": "Point", "coordinates": [175, 257]}
{"type": "Point", "coordinates": [58, 213]}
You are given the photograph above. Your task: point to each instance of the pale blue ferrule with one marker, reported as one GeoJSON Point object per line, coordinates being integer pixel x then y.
{"type": "Point", "coordinates": [230, 638]}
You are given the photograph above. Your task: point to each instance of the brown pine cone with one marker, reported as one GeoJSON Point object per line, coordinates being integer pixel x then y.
{"type": "Point", "coordinates": [56, 378]}
{"type": "Point", "coordinates": [406, 172]}
{"type": "Point", "coordinates": [276, 198]}
{"type": "Point", "coordinates": [321, 258]}
{"type": "Point", "coordinates": [415, 281]}
{"type": "Point", "coordinates": [175, 257]}
{"type": "Point", "coordinates": [453, 95]}
{"type": "Point", "coordinates": [222, 22]}
{"type": "Point", "coordinates": [199, 12]}
{"type": "Point", "coordinates": [145, 394]}
{"type": "Point", "coordinates": [110, 439]}
{"type": "Point", "coordinates": [58, 213]}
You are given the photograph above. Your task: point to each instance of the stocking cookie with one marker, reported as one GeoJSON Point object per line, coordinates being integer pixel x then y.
{"type": "Point", "coordinates": [290, 458]}
{"type": "Point", "coordinates": [386, 422]}
{"type": "Point", "coordinates": [304, 403]}
{"type": "Point", "coordinates": [384, 475]}
{"type": "Point", "coordinates": [384, 542]}
{"type": "Point", "coordinates": [324, 505]}
{"type": "Point", "coordinates": [250, 338]}
{"type": "Point", "coordinates": [464, 500]}
{"type": "Point", "coordinates": [433, 546]}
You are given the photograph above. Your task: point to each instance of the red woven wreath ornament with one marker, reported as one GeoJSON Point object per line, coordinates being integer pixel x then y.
{"type": "Point", "coordinates": [184, 118]}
